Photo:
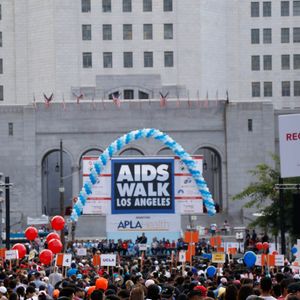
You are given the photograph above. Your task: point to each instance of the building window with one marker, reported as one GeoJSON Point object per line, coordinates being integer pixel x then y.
{"type": "Point", "coordinates": [0, 12]}
{"type": "Point", "coordinates": [128, 59]}
{"type": "Point", "coordinates": [148, 32]}
{"type": "Point", "coordinates": [148, 59]}
{"type": "Point", "coordinates": [107, 32]}
{"type": "Point", "coordinates": [147, 5]}
{"type": "Point", "coordinates": [169, 59]}
{"type": "Point", "coordinates": [1, 65]}
{"type": "Point", "coordinates": [267, 9]}
{"type": "Point", "coordinates": [268, 91]}
{"type": "Point", "coordinates": [285, 8]}
{"type": "Point", "coordinates": [296, 88]}
{"type": "Point", "coordinates": [85, 6]}
{"type": "Point", "coordinates": [285, 35]}
{"type": "Point", "coordinates": [86, 32]}
{"type": "Point", "coordinates": [106, 5]}
{"type": "Point", "coordinates": [255, 63]}
{"type": "Point", "coordinates": [267, 62]}
{"type": "Point", "coordinates": [254, 9]}
{"type": "Point", "coordinates": [87, 59]}
{"type": "Point", "coordinates": [0, 38]}
{"type": "Point", "coordinates": [168, 5]}
{"type": "Point", "coordinates": [255, 89]}
{"type": "Point", "coordinates": [1, 93]}
{"type": "Point", "coordinates": [128, 94]}
{"type": "Point", "coordinates": [250, 125]}
{"type": "Point", "coordinates": [285, 89]}
{"type": "Point", "coordinates": [127, 6]}
{"type": "Point", "coordinates": [143, 95]}
{"type": "Point", "coordinates": [10, 129]}
{"type": "Point", "coordinates": [296, 35]}
{"type": "Point", "coordinates": [296, 61]}
{"type": "Point", "coordinates": [254, 36]}
{"type": "Point", "coordinates": [127, 32]}
{"type": "Point", "coordinates": [285, 62]}
{"type": "Point", "coordinates": [107, 60]}
{"type": "Point", "coordinates": [168, 31]}
{"type": "Point", "coordinates": [296, 8]}
{"type": "Point", "coordinates": [267, 35]}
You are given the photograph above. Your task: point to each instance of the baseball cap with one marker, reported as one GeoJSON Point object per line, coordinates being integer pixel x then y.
{"type": "Point", "coordinates": [202, 289]}
{"type": "Point", "coordinates": [294, 287]}
{"type": "Point", "coordinates": [3, 290]}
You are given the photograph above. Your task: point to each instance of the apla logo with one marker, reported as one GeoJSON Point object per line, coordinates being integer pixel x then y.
{"type": "Point", "coordinates": [129, 225]}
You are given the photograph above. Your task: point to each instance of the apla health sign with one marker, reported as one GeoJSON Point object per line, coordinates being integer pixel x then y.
{"type": "Point", "coordinates": [142, 186]}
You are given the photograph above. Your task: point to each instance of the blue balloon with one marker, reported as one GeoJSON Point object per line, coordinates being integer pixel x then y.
{"type": "Point", "coordinates": [294, 250]}
{"type": "Point", "coordinates": [211, 271]}
{"type": "Point", "coordinates": [249, 259]}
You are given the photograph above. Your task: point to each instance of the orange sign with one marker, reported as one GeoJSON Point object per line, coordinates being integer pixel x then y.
{"type": "Point", "coordinates": [2, 252]}
{"type": "Point", "coordinates": [232, 251]}
{"type": "Point", "coordinates": [96, 260]}
{"type": "Point", "coordinates": [216, 241]}
{"type": "Point", "coordinates": [59, 259]}
{"type": "Point", "coordinates": [191, 236]}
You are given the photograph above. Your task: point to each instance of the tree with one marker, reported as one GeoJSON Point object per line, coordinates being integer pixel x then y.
{"type": "Point", "coordinates": [263, 195]}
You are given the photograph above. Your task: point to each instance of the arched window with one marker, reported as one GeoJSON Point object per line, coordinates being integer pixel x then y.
{"type": "Point", "coordinates": [51, 182]}
{"type": "Point", "coordinates": [212, 173]}
{"type": "Point", "coordinates": [90, 152]}
{"type": "Point", "coordinates": [165, 151]}
{"type": "Point", "coordinates": [131, 152]}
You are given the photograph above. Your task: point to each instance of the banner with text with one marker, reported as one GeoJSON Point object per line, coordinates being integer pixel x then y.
{"type": "Point", "coordinates": [142, 186]}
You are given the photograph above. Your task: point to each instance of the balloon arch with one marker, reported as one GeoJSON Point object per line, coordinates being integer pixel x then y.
{"type": "Point", "coordinates": [135, 135]}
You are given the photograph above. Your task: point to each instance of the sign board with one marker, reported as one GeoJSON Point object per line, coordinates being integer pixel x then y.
{"type": "Point", "coordinates": [143, 223]}
{"type": "Point", "coordinates": [67, 259]}
{"type": "Point", "coordinates": [289, 145]}
{"type": "Point", "coordinates": [143, 247]}
{"type": "Point", "coordinates": [142, 186]}
{"type": "Point", "coordinates": [108, 260]}
{"type": "Point", "coordinates": [43, 219]}
{"type": "Point", "coordinates": [182, 256]}
{"type": "Point", "coordinates": [11, 254]}
{"type": "Point", "coordinates": [81, 251]}
{"type": "Point", "coordinates": [31, 255]}
{"type": "Point", "coordinates": [218, 257]}
{"type": "Point", "coordinates": [279, 260]}
{"type": "Point", "coordinates": [258, 260]}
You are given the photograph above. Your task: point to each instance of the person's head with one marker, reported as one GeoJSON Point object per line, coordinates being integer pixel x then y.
{"type": "Point", "coordinates": [101, 284]}
{"type": "Point", "coordinates": [79, 292]}
{"type": "Point", "coordinates": [67, 292]}
{"type": "Point", "coordinates": [30, 291]}
{"type": "Point", "coordinates": [231, 292]}
{"type": "Point", "coordinates": [266, 284]}
{"type": "Point", "coordinates": [97, 295]}
{"type": "Point", "coordinates": [137, 293]}
{"type": "Point", "coordinates": [245, 291]}
{"type": "Point", "coordinates": [294, 288]}
{"type": "Point", "coordinates": [13, 296]}
{"type": "Point", "coordinates": [20, 290]}
{"type": "Point", "coordinates": [167, 292]}
{"type": "Point", "coordinates": [153, 292]}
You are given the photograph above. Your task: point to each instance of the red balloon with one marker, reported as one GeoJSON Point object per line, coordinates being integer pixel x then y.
{"type": "Point", "coordinates": [265, 245]}
{"type": "Point", "coordinates": [55, 246]}
{"type": "Point", "coordinates": [51, 236]}
{"type": "Point", "coordinates": [259, 246]}
{"type": "Point", "coordinates": [46, 257]}
{"type": "Point", "coordinates": [21, 250]}
{"type": "Point", "coordinates": [58, 223]}
{"type": "Point", "coordinates": [31, 233]}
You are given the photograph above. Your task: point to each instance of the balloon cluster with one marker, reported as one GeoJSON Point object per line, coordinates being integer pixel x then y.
{"type": "Point", "coordinates": [262, 246]}
{"type": "Point", "coordinates": [133, 136]}
{"type": "Point", "coordinates": [53, 240]}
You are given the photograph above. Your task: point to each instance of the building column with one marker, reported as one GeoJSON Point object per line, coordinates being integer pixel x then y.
{"type": "Point", "coordinates": [75, 180]}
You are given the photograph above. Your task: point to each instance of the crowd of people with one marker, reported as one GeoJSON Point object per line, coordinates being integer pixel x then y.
{"type": "Point", "coordinates": [154, 275]}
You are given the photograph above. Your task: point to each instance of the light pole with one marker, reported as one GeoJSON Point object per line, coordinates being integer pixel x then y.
{"type": "Point", "coordinates": [61, 190]}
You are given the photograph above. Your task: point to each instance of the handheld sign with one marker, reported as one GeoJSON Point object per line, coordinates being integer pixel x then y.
{"type": "Point", "coordinates": [81, 251]}
{"type": "Point", "coordinates": [67, 259]}
{"type": "Point", "coordinates": [143, 247]}
{"type": "Point", "coordinates": [182, 256]}
{"type": "Point", "coordinates": [11, 254]}
{"type": "Point", "coordinates": [108, 260]}
{"type": "Point", "coordinates": [218, 258]}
